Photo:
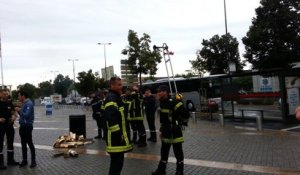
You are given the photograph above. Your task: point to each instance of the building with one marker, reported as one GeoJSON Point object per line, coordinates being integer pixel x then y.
{"type": "Point", "coordinates": [109, 71]}
{"type": "Point", "coordinates": [128, 78]}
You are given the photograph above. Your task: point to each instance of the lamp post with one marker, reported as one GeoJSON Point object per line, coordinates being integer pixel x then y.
{"type": "Point", "coordinates": [54, 73]}
{"type": "Point", "coordinates": [104, 46]}
{"type": "Point", "coordinates": [225, 15]}
{"type": "Point", "coordinates": [1, 64]}
{"type": "Point", "coordinates": [73, 60]}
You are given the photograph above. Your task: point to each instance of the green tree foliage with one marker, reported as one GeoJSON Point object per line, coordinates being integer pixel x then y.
{"type": "Point", "coordinates": [45, 89]}
{"type": "Point", "coordinates": [273, 39]}
{"type": "Point", "coordinates": [30, 89]}
{"type": "Point", "coordinates": [61, 84]}
{"type": "Point", "coordinates": [216, 53]}
{"type": "Point", "coordinates": [89, 81]}
{"type": "Point", "coordinates": [141, 60]}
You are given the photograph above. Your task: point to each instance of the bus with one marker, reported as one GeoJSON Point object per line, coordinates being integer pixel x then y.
{"type": "Point", "coordinates": [199, 94]}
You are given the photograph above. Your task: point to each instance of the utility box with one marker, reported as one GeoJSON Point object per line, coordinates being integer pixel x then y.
{"type": "Point", "coordinates": [49, 108]}
{"type": "Point", "coordinates": [77, 125]}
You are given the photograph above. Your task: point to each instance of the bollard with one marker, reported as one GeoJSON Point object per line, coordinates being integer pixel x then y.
{"type": "Point", "coordinates": [194, 116]}
{"type": "Point", "coordinates": [221, 119]}
{"type": "Point", "coordinates": [259, 123]}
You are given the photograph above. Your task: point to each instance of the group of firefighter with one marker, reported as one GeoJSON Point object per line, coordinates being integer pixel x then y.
{"type": "Point", "coordinates": [119, 114]}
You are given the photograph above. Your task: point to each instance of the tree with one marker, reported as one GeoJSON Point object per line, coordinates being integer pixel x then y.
{"type": "Point", "coordinates": [273, 39]}
{"type": "Point", "coordinates": [89, 81]}
{"type": "Point", "coordinates": [45, 88]}
{"type": "Point", "coordinates": [30, 89]}
{"type": "Point", "coordinates": [216, 54]}
{"type": "Point", "coordinates": [141, 60]}
{"type": "Point", "coordinates": [61, 84]}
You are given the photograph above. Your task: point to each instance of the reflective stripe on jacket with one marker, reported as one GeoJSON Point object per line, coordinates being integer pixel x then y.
{"type": "Point", "coordinates": [117, 126]}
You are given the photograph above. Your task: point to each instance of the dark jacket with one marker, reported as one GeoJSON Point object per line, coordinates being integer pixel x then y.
{"type": "Point", "coordinates": [172, 113]}
{"type": "Point", "coordinates": [27, 113]}
{"type": "Point", "coordinates": [6, 109]}
{"type": "Point", "coordinates": [117, 126]}
{"type": "Point", "coordinates": [150, 105]}
{"type": "Point", "coordinates": [128, 101]}
{"type": "Point", "coordinates": [137, 106]}
{"type": "Point", "coordinates": [96, 104]}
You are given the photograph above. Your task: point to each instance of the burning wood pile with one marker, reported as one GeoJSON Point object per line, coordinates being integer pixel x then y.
{"type": "Point", "coordinates": [71, 141]}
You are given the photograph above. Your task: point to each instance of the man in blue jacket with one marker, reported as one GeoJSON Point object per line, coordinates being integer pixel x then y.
{"type": "Point", "coordinates": [26, 126]}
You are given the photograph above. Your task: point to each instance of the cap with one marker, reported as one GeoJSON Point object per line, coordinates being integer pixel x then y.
{"type": "Point", "coordinates": [163, 88]}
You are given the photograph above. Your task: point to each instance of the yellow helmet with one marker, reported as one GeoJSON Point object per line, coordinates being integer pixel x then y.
{"type": "Point", "coordinates": [178, 96]}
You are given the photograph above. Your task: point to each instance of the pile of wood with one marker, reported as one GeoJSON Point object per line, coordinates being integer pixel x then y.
{"type": "Point", "coordinates": [71, 141]}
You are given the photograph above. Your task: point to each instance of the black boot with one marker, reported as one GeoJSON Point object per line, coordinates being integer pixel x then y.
{"type": "Point", "coordinates": [134, 137]}
{"type": "Point", "coordinates": [99, 136]}
{"type": "Point", "coordinates": [10, 158]}
{"type": "Point", "coordinates": [179, 168]}
{"type": "Point", "coordinates": [153, 137]}
{"type": "Point", "coordinates": [142, 141]}
{"type": "Point", "coordinates": [23, 163]}
{"type": "Point", "coordinates": [2, 166]}
{"type": "Point", "coordinates": [161, 169]}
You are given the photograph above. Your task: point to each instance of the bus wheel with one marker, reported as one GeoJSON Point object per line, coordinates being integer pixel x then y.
{"type": "Point", "coordinates": [190, 105]}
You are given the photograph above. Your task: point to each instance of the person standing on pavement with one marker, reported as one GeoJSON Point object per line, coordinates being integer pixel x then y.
{"type": "Point", "coordinates": [26, 126]}
{"type": "Point", "coordinates": [117, 142]}
{"type": "Point", "coordinates": [96, 104]}
{"type": "Point", "coordinates": [7, 119]}
{"type": "Point", "coordinates": [138, 116]}
{"type": "Point", "coordinates": [128, 101]}
{"type": "Point", "coordinates": [173, 116]}
{"type": "Point", "coordinates": [150, 108]}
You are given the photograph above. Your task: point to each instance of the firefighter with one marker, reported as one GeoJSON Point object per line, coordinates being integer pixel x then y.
{"type": "Point", "coordinates": [96, 104]}
{"type": "Point", "coordinates": [7, 119]}
{"type": "Point", "coordinates": [128, 101]}
{"type": "Point", "coordinates": [138, 116]}
{"type": "Point", "coordinates": [150, 108]}
{"type": "Point", "coordinates": [117, 127]}
{"type": "Point", "coordinates": [173, 116]}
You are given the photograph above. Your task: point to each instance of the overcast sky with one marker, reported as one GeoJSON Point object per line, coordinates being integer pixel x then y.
{"type": "Point", "coordinates": [39, 36]}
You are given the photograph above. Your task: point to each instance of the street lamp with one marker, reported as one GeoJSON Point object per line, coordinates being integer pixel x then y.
{"type": "Point", "coordinates": [54, 73]}
{"type": "Point", "coordinates": [73, 60]}
{"type": "Point", "coordinates": [104, 46]}
{"type": "Point", "coordinates": [225, 15]}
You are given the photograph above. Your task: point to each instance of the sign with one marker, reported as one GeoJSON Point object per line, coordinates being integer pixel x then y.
{"type": "Point", "coordinates": [293, 99]}
{"type": "Point", "coordinates": [266, 85]}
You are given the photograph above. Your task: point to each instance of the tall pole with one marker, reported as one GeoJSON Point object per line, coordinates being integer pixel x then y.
{"type": "Point", "coordinates": [225, 15]}
{"type": "Point", "coordinates": [104, 47]}
{"type": "Point", "coordinates": [73, 60]}
{"type": "Point", "coordinates": [1, 64]}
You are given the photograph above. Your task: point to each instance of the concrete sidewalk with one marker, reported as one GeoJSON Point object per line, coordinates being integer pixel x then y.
{"type": "Point", "coordinates": [208, 149]}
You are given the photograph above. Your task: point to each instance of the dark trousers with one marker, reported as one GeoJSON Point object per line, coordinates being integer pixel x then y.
{"type": "Point", "coordinates": [141, 129]}
{"type": "Point", "coordinates": [7, 129]}
{"type": "Point", "coordinates": [151, 121]}
{"type": "Point", "coordinates": [177, 149]}
{"type": "Point", "coordinates": [100, 124]}
{"type": "Point", "coordinates": [116, 163]}
{"type": "Point", "coordinates": [26, 139]}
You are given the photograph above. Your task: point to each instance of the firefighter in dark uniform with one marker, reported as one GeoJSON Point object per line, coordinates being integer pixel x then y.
{"type": "Point", "coordinates": [138, 116]}
{"type": "Point", "coordinates": [117, 140]}
{"type": "Point", "coordinates": [150, 109]}
{"type": "Point", "coordinates": [96, 104]}
{"type": "Point", "coordinates": [173, 116]}
{"type": "Point", "coordinates": [7, 119]}
{"type": "Point", "coordinates": [128, 101]}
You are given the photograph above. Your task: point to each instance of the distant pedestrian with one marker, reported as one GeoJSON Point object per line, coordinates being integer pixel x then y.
{"type": "Point", "coordinates": [26, 126]}
{"type": "Point", "coordinates": [8, 117]}
{"type": "Point", "coordinates": [96, 104]}
{"type": "Point", "coordinates": [150, 108]}
{"type": "Point", "coordinates": [118, 141]}
{"type": "Point", "coordinates": [297, 111]}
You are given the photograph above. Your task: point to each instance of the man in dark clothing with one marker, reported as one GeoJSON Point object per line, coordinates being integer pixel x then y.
{"type": "Point", "coordinates": [128, 102]}
{"type": "Point", "coordinates": [117, 141]}
{"type": "Point", "coordinates": [150, 108]}
{"type": "Point", "coordinates": [173, 116]}
{"type": "Point", "coordinates": [8, 117]}
{"type": "Point", "coordinates": [138, 116]}
{"type": "Point", "coordinates": [96, 104]}
{"type": "Point", "coordinates": [26, 126]}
